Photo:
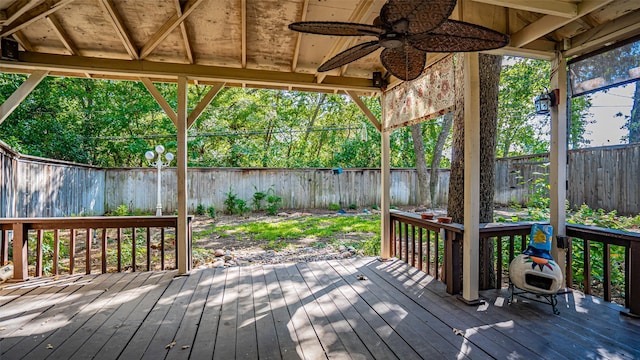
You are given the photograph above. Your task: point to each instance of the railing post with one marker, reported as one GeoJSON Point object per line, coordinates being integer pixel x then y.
{"type": "Point", "coordinates": [452, 262]}
{"type": "Point", "coordinates": [20, 258]}
{"type": "Point", "coordinates": [634, 281]}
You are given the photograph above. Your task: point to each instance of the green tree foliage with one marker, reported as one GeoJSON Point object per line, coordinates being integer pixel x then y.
{"type": "Point", "coordinates": [520, 130]}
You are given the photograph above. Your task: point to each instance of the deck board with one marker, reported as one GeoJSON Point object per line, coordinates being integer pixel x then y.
{"type": "Point", "coordinates": [291, 311]}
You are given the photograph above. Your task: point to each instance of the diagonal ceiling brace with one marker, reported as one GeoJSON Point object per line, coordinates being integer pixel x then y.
{"type": "Point", "coordinates": [153, 90]}
{"type": "Point", "coordinates": [20, 94]}
{"type": "Point", "coordinates": [374, 120]}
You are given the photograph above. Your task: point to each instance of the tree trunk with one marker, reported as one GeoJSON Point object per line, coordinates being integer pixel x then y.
{"type": "Point", "coordinates": [447, 123]}
{"type": "Point", "coordinates": [422, 195]}
{"type": "Point", "coordinates": [489, 85]}
{"type": "Point", "coordinates": [634, 120]}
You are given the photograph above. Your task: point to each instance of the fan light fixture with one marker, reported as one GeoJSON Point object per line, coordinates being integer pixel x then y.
{"type": "Point", "coordinates": [406, 31]}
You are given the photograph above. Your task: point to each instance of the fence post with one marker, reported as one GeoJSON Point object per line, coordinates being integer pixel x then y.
{"type": "Point", "coordinates": [20, 258]}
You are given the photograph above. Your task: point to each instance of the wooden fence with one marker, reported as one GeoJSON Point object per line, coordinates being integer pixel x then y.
{"type": "Point", "coordinates": [298, 188]}
{"type": "Point", "coordinates": [603, 177]}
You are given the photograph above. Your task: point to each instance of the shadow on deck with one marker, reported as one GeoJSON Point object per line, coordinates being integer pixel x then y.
{"type": "Point", "coordinates": [359, 308]}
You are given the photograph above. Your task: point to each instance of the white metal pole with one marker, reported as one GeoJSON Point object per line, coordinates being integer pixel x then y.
{"type": "Point", "coordinates": [158, 196]}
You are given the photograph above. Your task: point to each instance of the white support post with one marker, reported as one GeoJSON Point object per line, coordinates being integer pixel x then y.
{"type": "Point", "coordinates": [471, 241]}
{"type": "Point", "coordinates": [385, 197]}
{"type": "Point", "coordinates": [558, 155]}
{"type": "Point", "coordinates": [182, 237]}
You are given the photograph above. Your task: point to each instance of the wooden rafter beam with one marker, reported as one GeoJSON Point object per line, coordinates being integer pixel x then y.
{"type": "Point", "coordinates": [46, 8]}
{"type": "Point", "coordinates": [127, 69]}
{"type": "Point", "coordinates": [296, 49]}
{"type": "Point", "coordinates": [15, 10]}
{"type": "Point", "coordinates": [363, 10]}
{"type": "Point", "coordinates": [153, 90]}
{"type": "Point", "coordinates": [21, 93]}
{"type": "Point", "coordinates": [185, 35]}
{"type": "Point", "coordinates": [121, 29]}
{"type": "Point", "coordinates": [23, 41]}
{"type": "Point", "coordinates": [550, 23]}
{"type": "Point", "coordinates": [168, 27]}
{"type": "Point", "coordinates": [62, 35]}
{"type": "Point", "coordinates": [243, 31]}
{"type": "Point", "coordinates": [365, 109]}
{"type": "Point", "coordinates": [619, 29]}
{"type": "Point", "coordinates": [548, 7]}
{"type": "Point", "coordinates": [206, 100]}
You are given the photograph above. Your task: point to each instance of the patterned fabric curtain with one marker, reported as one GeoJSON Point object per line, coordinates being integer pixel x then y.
{"type": "Point", "coordinates": [430, 95]}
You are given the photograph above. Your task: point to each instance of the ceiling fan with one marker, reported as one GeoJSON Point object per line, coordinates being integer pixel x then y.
{"type": "Point", "coordinates": [407, 30]}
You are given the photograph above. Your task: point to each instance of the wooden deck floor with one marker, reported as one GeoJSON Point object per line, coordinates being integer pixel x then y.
{"type": "Point", "coordinates": [359, 308]}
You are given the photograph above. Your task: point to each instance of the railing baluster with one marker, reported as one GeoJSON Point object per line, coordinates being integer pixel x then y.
{"type": "Point", "coordinates": [56, 251]}
{"type": "Point", "coordinates": [104, 251]}
{"type": "Point", "coordinates": [72, 250]}
{"type": "Point", "coordinates": [88, 252]}
{"type": "Point", "coordinates": [39, 253]}
{"type": "Point", "coordinates": [119, 240]}
{"type": "Point", "coordinates": [4, 259]}
{"type": "Point", "coordinates": [587, 267]}
{"type": "Point", "coordinates": [162, 244]}
{"type": "Point", "coordinates": [133, 249]}
{"type": "Point", "coordinates": [499, 264]}
{"type": "Point", "coordinates": [405, 241]}
{"type": "Point", "coordinates": [413, 245]}
{"type": "Point", "coordinates": [606, 269]}
{"type": "Point", "coordinates": [436, 252]}
{"type": "Point", "coordinates": [512, 248]}
{"type": "Point", "coordinates": [429, 252]}
{"type": "Point", "coordinates": [148, 249]}
{"type": "Point", "coordinates": [569, 263]}
{"type": "Point", "coordinates": [420, 260]}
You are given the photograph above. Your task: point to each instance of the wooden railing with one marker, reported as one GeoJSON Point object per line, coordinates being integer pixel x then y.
{"type": "Point", "coordinates": [436, 249]}
{"type": "Point", "coordinates": [428, 245]}
{"type": "Point", "coordinates": [50, 246]}
{"type": "Point", "coordinates": [588, 239]}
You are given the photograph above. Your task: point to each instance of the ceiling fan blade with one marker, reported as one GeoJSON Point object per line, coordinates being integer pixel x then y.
{"type": "Point", "coordinates": [350, 55]}
{"type": "Point", "coordinates": [336, 28]}
{"type": "Point", "coordinates": [458, 36]}
{"type": "Point", "coordinates": [421, 16]}
{"type": "Point", "coordinates": [405, 63]}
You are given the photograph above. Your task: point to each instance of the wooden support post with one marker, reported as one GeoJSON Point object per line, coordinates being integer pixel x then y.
{"type": "Point", "coordinates": [385, 201]}
{"type": "Point", "coordinates": [20, 258]}
{"type": "Point", "coordinates": [558, 157]}
{"type": "Point", "coordinates": [182, 231]}
{"type": "Point", "coordinates": [471, 241]}
{"type": "Point", "coordinates": [21, 93]}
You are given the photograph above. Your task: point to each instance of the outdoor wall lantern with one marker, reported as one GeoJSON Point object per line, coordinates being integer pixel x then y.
{"type": "Point", "coordinates": [159, 164]}
{"type": "Point", "coordinates": [545, 101]}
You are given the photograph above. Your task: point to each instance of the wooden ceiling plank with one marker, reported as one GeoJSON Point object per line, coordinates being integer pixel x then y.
{"type": "Point", "coordinates": [619, 29]}
{"type": "Point", "coordinates": [121, 29]}
{"type": "Point", "coordinates": [296, 49]}
{"type": "Point", "coordinates": [550, 23]}
{"type": "Point", "coordinates": [46, 8]}
{"type": "Point", "coordinates": [168, 27]}
{"type": "Point", "coordinates": [243, 40]}
{"type": "Point", "coordinates": [153, 90]}
{"type": "Point", "coordinates": [374, 120]}
{"type": "Point", "coordinates": [62, 35]}
{"type": "Point", "coordinates": [21, 93]}
{"type": "Point", "coordinates": [547, 7]}
{"type": "Point", "coordinates": [206, 100]}
{"type": "Point", "coordinates": [185, 35]}
{"type": "Point", "coordinates": [134, 69]}
{"type": "Point", "coordinates": [16, 10]}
